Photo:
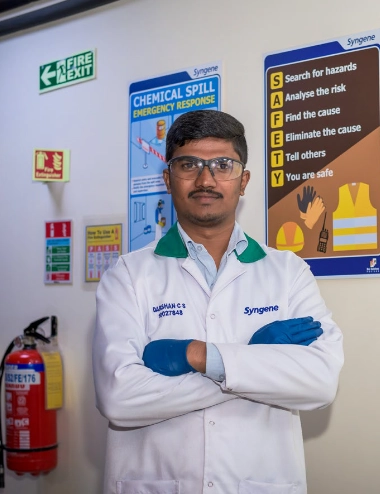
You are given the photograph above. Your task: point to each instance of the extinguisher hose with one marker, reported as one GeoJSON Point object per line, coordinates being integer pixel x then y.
{"type": "Point", "coordinates": [2, 447]}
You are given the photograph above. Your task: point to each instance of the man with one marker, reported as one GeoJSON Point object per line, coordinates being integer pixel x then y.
{"type": "Point", "coordinates": [208, 344]}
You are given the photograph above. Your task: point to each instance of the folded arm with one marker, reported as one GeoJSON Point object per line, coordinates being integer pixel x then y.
{"type": "Point", "coordinates": [293, 363]}
{"type": "Point", "coordinates": [128, 393]}
{"type": "Point", "coordinates": [295, 376]}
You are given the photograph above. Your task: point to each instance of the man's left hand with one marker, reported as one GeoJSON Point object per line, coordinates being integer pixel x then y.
{"type": "Point", "coordinates": [167, 357]}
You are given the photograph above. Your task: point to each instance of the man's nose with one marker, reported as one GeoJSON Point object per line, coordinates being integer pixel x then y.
{"type": "Point", "coordinates": [205, 179]}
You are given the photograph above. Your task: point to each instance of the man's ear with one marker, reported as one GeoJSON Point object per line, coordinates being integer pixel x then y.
{"type": "Point", "coordinates": [166, 176]}
{"type": "Point", "coordinates": [244, 181]}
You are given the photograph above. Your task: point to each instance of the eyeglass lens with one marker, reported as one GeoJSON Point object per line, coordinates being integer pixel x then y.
{"type": "Point", "coordinates": [190, 167]}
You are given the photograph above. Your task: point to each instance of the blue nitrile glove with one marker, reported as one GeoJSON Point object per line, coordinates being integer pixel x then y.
{"type": "Point", "coordinates": [167, 357]}
{"type": "Point", "coordinates": [299, 331]}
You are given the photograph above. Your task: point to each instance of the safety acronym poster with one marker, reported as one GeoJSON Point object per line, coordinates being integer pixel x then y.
{"type": "Point", "coordinates": [323, 154]}
{"type": "Point", "coordinates": [154, 104]}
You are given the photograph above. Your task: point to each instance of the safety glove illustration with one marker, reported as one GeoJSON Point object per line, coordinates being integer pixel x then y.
{"type": "Point", "coordinates": [313, 212]}
{"type": "Point", "coordinates": [308, 196]}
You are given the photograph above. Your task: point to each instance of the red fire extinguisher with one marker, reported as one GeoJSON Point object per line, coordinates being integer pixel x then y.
{"type": "Point", "coordinates": [31, 427]}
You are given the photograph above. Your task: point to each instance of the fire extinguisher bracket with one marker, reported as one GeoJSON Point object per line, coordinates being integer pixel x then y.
{"type": "Point", "coordinates": [30, 450]}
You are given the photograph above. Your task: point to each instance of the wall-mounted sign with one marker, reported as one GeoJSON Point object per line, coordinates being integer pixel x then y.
{"type": "Point", "coordinates": [323, 154]}
{"type": "Point", "coordinates": [58, 252]}
{"type": "Point", "coordinates": [51, 165]}
{"type": "Point", "coordinates": [103, 246]}
{"type": "Point", "coordinates": [68, 71]}
{"type": "Point", "coordinates": [154, 105]}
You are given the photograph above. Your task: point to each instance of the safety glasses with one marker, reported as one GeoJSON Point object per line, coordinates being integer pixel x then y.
{"type": "Point", "coordinates": [190, 167]}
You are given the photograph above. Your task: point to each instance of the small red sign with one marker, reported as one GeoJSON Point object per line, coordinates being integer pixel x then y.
{"type": "Point", "coordinates": [48, 164]}
{"type": "Point", "coordinates": [58, 229]}
{"type": "Point", "coordinates": [51, 165]}
{"type": "Point", "coordinates": [60, 276]}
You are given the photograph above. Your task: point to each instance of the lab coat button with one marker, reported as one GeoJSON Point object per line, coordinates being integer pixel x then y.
{"type": "Point", "coordinates": [210, 484]}
{"type": "Point", "coordinates": [212, 422]}
{"type": "Point", "coordinates": [199, 248]}
{"type": "Point", "coordinates": [213, 316]}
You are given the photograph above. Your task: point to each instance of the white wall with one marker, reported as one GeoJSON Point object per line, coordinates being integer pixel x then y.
{"type": "Point", "coordinates": [139, 39]}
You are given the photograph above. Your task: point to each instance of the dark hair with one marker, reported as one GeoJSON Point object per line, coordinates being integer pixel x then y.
{"type": "Point", "coordinates": [195, 125]}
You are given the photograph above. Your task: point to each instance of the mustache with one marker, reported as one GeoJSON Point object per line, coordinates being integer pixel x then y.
{"type": "Point", "coordinates": [206, 191]}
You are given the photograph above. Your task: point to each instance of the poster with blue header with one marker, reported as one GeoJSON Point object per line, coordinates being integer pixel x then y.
{"type": "Point", "coordinates": [322, 154]}
{"type": "Point", "coordinates": [154, 105]}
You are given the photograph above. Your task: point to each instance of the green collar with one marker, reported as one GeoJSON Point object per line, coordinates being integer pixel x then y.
{"type": "Point", "coordinates": [171, 245]}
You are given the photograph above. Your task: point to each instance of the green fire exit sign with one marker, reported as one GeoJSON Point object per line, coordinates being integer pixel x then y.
{"type": "Point", "coordinates": [71, 70]}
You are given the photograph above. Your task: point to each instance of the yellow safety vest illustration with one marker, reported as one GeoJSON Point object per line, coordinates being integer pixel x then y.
{"type": "Point", "coordinates": [354, 223]}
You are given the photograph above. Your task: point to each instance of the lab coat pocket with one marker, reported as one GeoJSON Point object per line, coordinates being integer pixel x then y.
{"type": "Point", "coordinates": [252, 487]}
{"type": "Point", "coordinates": [147, 487]}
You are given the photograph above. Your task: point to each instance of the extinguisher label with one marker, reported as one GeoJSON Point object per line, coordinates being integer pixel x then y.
{"type": "Point", "coordinates": [24, 422]}
{"type": "Point", "coordinates": [16, 378]}
{"type": "Point", "coordinates": [53, 379]}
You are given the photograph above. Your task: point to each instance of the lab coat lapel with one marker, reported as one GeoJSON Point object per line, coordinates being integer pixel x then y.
{"type": "Point", "coordinates": [190, 266]}
{"type": "Point", "coordinates": [233, 269]}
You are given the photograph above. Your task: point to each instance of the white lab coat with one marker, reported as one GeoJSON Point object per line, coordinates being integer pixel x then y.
{"type": "Point", "coordinates": [189, 434]}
